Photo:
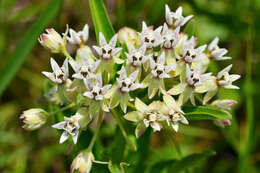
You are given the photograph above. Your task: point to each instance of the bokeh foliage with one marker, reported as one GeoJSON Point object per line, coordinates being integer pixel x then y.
{"type": "Point", "coordinates": [233, 21]}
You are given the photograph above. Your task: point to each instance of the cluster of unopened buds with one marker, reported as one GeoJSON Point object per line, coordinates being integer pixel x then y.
{"type": "Point", "coordinates": [162, 67]}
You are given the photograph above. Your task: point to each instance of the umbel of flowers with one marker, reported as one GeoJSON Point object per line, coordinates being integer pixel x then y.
{"type": "Point", "coordinates": [162, 62]}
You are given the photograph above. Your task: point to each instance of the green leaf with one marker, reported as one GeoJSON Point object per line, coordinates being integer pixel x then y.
{"type": "Point", "coordinates": [204, 113]}
{"type": "Point", "coordinates": [26, 44]}
{"type": "Point", "coordinates": [100, 19]}
{"type": "Point", "coordinates": [190, 161]}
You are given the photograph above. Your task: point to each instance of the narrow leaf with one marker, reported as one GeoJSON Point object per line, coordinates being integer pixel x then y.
{"type": "Point", "coordinates": [26, 44]}
{"type": "Point", "coordinates": [204, 113]}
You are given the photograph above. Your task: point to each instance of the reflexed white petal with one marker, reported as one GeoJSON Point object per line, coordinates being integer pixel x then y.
{"type": "Point", "coordinates": [186, 19]}
{"type": "Point", "coordinates": [105, 89]}
{"type": "Point", "coordinates": [99, 80]}
{"type": "Point", "coordinates": [134, 75]}
{"type": "Point", "coordinates": [49, 75]}
{"type": "Point", "coordinates": [85, 32]}
{"type": "Point", "coordinates": [65, 67]}
{"type": "Point", "coordinates": [113, 41]}
{"type": "Point", "coordinates": [225, 70]}
{"type": "Point", "coordinates": [74, 65]}
{"type": "Point", "coordinates": [161, 59]}
{"type": "Point", "coordinates": [219, 52]}
{"type": "Point", "coordinates": [88, 94]}
{"type": "Point", "coordinates": [222, 58]}
{"type": "Point", "coordinates": [165, 29]}
{"type": "Point", "coordinates": [175, 126]}
{"type": "Point", "coordinates": [135, 86]}
{"type": "Point", "coordinates": [177, 89]}
{"type": "Point", "coordinates": [88, 84]}
{"type": "Point", "coordinates": [140, 106]}
{"type": "Point", "coordinates": [152, 63]}
{"type": "Point", "coordinates": [168, 15]}
{"type": "Point", "coordinates": [231, 86]}
{"type": "Point", "coordinates": [59, 125]}
{"type": "Point", "coordinates": [184, 120]}
{"type": "Point", "coordinates": [169, 68]}
{"type": "Point", "coordinates": [122, 73]}
{"type": "Point", "coordinates": [77, 76]}
{"type": "Point", "coordinates": [155, 126]}
{"type": "Point", "coordinates": [200, 49]}
{"type": "Point", "coordinates": [102, 40]}
{"type": "Point", "coordinates": [179, 11]}
{"type": "Point", "coordinates": [95, 65]}
{"type": "Point", "coordinates": [55, 67]}
{"type": "Point", "coordinates": [98, 50]}
{"type": "Point", "coordinates": [131, 47]}
{"type": "Point", "coordinates": [213, 44]}
{"type": "Point", "coordinates": [234, 77]}
{"type": "Point", "coordinates": [64, 137]}
{"type": "Point", "coordinates": [115, 51]}
{"type": "Point", "coordinates": [170, 102]}
{"type": "Point", "coordinates": [75, 137]}
{"type": "Point", "coordinates": [142, 49]}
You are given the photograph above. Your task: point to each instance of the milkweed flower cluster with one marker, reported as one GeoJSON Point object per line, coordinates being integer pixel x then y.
{"type": "Point", "coordinates": [163, 70]}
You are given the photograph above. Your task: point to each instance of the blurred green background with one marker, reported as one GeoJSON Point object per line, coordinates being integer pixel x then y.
{"type": "Point", "coordinates": [235, 22]}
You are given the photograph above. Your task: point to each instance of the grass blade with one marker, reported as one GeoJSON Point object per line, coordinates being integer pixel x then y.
{"type": "Point", "coordinates": [26, 44]}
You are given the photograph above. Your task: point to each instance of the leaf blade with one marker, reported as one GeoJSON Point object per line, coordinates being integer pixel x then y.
{"type": "Point", "coordinates": [204, 113]}
{"type": "Point", "coordinates": [26, 44]}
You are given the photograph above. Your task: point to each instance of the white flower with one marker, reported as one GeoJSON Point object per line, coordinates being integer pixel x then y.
{"type": "Point", "coordinates": [126, 84]}
{"type": "Point", "coordinates": [189, 54]}
{"type": "Point", "coordinates": [194, 78]}
{"type": "Point", "coordinates": [71, 126]}
{"type": "Point", "coordinates": [149, 37]}
{"type": "Point", "coordinates": [79, 37]}
{"type": "Point", "coordinates": [59, 74]}
{"type": "Point", "coordinates": [82, 162]}
{"type": "Point", "coordinates": [85, 70]}
{"type": "Point", "coordinates": [52, 41]}
{"type": "Point", "coordinates": [97, 91]}
{"type": "Point", "coordinates": [170, 38]}
{"type": "Point", "coordinates": [146, 116]}
{"type": "Point", "coordinates": [173, 112]}
{"type": "Point", "coordinates": [225, 80]}
{"type": "Point", "coordinates": [34, 118]}
{"type": "Point", "coordinates": [107, 51]}
{"type": "Point", "coordinates": [216, 52]}
{"type": "Point", "coordinates": [159, 70]}
{"type": "Point", "coordinates": [176, 18]}
{"type": "Point", "coordinates": [137, 57]}
{"type": "Point", "coordinates": [224, 103]}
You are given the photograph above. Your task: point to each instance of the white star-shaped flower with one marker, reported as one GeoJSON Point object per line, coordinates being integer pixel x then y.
{"type": "Point", "coordinates": [71, 126]}
{"type": "Point", "coordinates": [137, 57]}
{"type": "Point", "coordinates": [59, 74]}
{"type": "Point", "coordinates": [225, 79]}
{"type": "Point", "coordinates": [191, 54]}
{"type": "Point", "coordinates": [216, 52]}
{"type": "Point", "coordinates": [176, 18]}
{"type": "Point", "coordinates": [173, 112]}
{"type": "Point", "coordinates": [170, 38]}
{"type": "Point", "coordinates": [78, 37]}
{"type": "Point", "coordinates": [107, 50]}
{"type": "Point", "coordinates": [126, 84]}
{"type": "Point", "coordinates": [151, 38]}
{"type": "Point", "coordinates": [159, 70]}
{"type": "Point", "coordinates": [84, 70]}
{"type": "Point", "coordinates": [194, 78]}
{"type": "Point", "coordinates": [96, 91]}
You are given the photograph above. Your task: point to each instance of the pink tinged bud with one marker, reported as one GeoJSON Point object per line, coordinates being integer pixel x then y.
{"type": "Point", "coordinates": [226, 122]}
{"type": "Point", "coordinates": [34, 118]}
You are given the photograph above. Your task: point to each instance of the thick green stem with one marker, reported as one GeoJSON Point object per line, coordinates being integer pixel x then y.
{"type": "Point", "coordinates": [66, 53]}
{"type": "Point", "coordinates": [93, 140]}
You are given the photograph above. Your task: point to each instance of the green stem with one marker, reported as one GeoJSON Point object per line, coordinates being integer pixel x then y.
{"type": "Point", "coordinates": [93, 140]}
{"type": "Point", "coordinates": [66, 53]}
{"type": "Point", "coordinates": [63, 109]}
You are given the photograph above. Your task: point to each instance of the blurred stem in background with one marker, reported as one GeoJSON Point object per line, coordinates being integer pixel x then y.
{"type": "Point", "coordinates": [247, 140]}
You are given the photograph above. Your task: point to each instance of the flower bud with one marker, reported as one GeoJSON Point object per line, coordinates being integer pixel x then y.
{"type": "Point", "coordinates": [34, 118]}
{"type": "Point", "coordinates": [222, 123]}
{"type": "Point", "coordinates": [127, 35]}
{"type": "Point", "coordinates": [52, 41]}
{"type": "Point", "coordinates": [82, 162]}
{"type": "Point", "coordinates": [224, 104]}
